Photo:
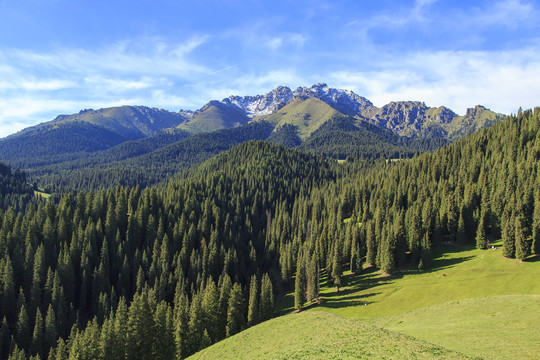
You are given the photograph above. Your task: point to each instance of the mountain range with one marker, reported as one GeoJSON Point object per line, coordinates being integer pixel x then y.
{"type": "Point", "coordinates": [318, 119]}
{"type": "Point", "coordinates": [404, 118]}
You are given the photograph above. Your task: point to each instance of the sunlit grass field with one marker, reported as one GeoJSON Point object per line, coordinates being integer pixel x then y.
{"type": "Point", "coordinates": [473, 302]}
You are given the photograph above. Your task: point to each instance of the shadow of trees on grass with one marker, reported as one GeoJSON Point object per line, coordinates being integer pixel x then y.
{"type": "Point", "coordinates": [370, 278]}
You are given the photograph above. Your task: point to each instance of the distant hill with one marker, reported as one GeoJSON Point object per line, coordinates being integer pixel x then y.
{"type": "Point", "coordinates": [215, 116]}
{"type": "Point", "coordinates": [305, 115]}
{"type": "Point", "coordinates": [69, 136]}
{"type": "Point", "coordinates": [132, 122]}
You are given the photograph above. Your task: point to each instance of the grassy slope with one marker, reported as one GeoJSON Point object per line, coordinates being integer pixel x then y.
{"type": "Point", "coordinates": [307, 115]}
{"type": "Point", "coordinates": [468, 273]}
{"type": "Point", "coordinates": [500, 326]}
{"type": "Point", "coordinates": [214, 116]}
{"type": "Point", "coordinates": [484, 305]}
{"type": "Point", "coordinates": [321, 335]}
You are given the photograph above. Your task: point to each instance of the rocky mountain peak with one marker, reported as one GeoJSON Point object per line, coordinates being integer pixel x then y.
{"type": "Point", "coordinates": [345, 101]}
{"type": "Point", "coordinates": [475, 111]}
{"type": "Point", "coordinates": [261, 104]}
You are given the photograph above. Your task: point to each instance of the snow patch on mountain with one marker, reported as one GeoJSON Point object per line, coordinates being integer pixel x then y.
{"type": "Point", "coordinates": [345, 101]}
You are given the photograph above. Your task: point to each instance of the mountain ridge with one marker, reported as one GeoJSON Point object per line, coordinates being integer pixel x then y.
{"type": "Point", "coordinates": [405, 118]}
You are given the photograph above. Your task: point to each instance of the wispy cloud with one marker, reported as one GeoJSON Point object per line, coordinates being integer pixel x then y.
{"type": "Point", "coordinates": [130, 72]}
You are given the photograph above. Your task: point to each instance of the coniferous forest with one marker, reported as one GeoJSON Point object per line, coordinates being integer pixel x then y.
{"type": "Point", "coordinates": [162, 272]}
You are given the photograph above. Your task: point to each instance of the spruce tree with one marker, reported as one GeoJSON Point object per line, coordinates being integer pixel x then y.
{"type": "Point", "coordinates": [22, 330]}
{"type": "Point", "coordinates": [253, 304]}
{"type": "Point", "coordinates": [267, 298]}
{"type": "Point", "coordinates": [300, 283]}
{"type": "Point", "coordinates": [371, 250]}
{"type": "Point", "coordinates": [481, 240]}
{"type": "Point", "coordinates": [224, 294]}
{"type": "Point", "coordinates": [387, 253]}
{"type": "Point", "coordinates": [164, 344]}
{"type": "Point", "coordinates": [425, 252]}
{"type": "Point", "coordinates": [337, 270]}
{"type": "Point", "coordinates": [182, 326]}
{"type": "Point", "coordinates": [211, 309]}
{"type": "Point", "coordinates": [195, 325]}
{"type": "Point", "coordinates": [521, 246]}
{"type": "Point", "coordinates": [535, 248]}
{"type": "Point", "coordinates": [235, 311]}
{"type": "Point", "coordinates": [5, 339]}
{"type": "Point", "coordinates": [118, 341]}
{"type": "Point", "coordinates": [312, 291]}
{"type": "Point", "coordinates": [36, 348]}
{"type": "Point", "coordinates": [508, 236]}
{"type": "Point", "coordinates": [50, 330]}
{"type": "Point", "coordinates": [140, 328]}
{"type": "Point", "coordinates": [461, 235]}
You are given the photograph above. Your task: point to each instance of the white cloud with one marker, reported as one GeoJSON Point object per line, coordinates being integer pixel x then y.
{"type": "Point", "coordinates": [147, 56]}
{"type": "Point", "coordinates": [37, 86]}
{"type": "Point", "coordinates": [502, 81]}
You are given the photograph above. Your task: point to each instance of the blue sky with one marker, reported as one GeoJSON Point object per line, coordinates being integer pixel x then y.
{"type": "Point", "coordinates": [61, 56]}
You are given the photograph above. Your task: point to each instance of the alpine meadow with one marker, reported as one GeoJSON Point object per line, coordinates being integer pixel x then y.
{"type": "Point", "coordinates": [269, 180]}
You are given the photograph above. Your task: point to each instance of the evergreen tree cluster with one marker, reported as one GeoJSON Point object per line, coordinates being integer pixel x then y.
{"type": "Point", "coordinates": [125, 268]}
{"type": "Point", "coordinates": [14, 190]}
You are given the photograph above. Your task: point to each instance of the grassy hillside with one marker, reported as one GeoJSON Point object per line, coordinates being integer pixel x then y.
{"type": "Point", "coordinates": [135, 120]}
{"type": "Point", "coordinates": [215, 116]}
{"type": "Point", "coordinates": [475, 302]}
{"type": "Point", "coordinates": [501, 326]}
{"type": "Point", "coordinates": [321, 335]}
{"type": "Point", "coordinates": [306, 115]}
{"type": "Point", "coordinates": [458, 272]}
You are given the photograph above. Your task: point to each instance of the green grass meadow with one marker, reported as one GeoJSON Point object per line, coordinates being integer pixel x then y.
{"type": "Point", "coordinates": [322, 335]}
{"type": "Point", "coordinates": [470, 303]}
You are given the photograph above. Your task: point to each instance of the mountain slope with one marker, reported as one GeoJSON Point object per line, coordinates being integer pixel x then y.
{"type": "Point", "coordinates": [69, 136]}
{"type": "Point", "coordinates": [131, 122]}
{"type": "Point", "coordinates": [215, 116]}
{"type": "Point", "coordinates": [306, 115]}
{"type": "Point", "coordinates": [53, 143]}
{"type": "Point", "coordinates": [129, 164]}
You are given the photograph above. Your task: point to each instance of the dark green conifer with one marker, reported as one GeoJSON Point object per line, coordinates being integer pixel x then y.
{"type": "Point", "coordinates": [481, 240]}
{"type": "Point", "coordinates": [211, 309]}
{"type": "Point", "coordinates": [235, 312]}
{"type": "Point", "coordinates": [508, 236]}
{"type": "Point", "coordinates": [535, 248]}
{"type": "Point", "coordinates": [521, 245]}
{"type": "Point", "coordinates": [253, 304]}
{"type": "Point", "coordinates": [267, 298]}
{"type": "Point", "coordinates": [461, 236]}
{"type": "Point", "coordinates": [300, 283]}
{"type": "Point", "coordinates": [337, 270]}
